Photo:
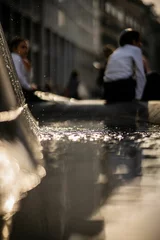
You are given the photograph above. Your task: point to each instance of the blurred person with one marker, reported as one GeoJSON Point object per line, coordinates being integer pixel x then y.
{"type": "Point", "coordinates": [28, 65]}
{"type": "Point", "coordinates": [48, 86]}
{"type": "Point", "coordinates": [19, 51]}
{"type": "Point", "coordinates": [108, 49]}
{"type": "Point", "coordinates": [151, 90]}
{"type": "Point", "coordinates": [71, 90]}
{"type": "Point", "coordinates": [124, 78]}
{"type": "Point", "coordinates": [146, 65]}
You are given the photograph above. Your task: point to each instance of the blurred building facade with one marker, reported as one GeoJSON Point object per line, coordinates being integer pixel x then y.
{"type": "Point", "coordinates": [63, 35]}
{"type": "Point", "coordinates": [117, 15]}
{"type": "Point", "coordinates": [69, 34]}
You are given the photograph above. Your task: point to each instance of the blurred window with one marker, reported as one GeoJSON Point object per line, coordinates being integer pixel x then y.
{"type": "Point", "coordinates": [26, 5]}
{"type": "Point", "coordinates": [36, 64]}
{"type": "Point", "coordinates": [95, 4]}
{"type": "Point", "coordinates": [27, 28]}
{"type": "Point", "coordinates": [47, 54]}
{"type": "Point", "coordinates": [108, 7]}
{"type": "Point", "coordinates": [54, 58]}
{"type": "Point", "coordinates": [36, 8]}
{"type": "Point", "coordinates": [36, 33]}
{"type": "Point", "coordinates": [61, 18]}
{"type": "Point", "coordinates": [120, 16]}
{"type": "Point", "coordinates": [16, 23]}
{"type": "Point", "coordinates": [114, 11]}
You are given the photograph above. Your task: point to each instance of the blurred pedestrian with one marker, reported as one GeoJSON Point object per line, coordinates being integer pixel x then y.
{"type": "Point", "coordinates": [152, 88]}
{"type": "Point", "coordinates": [107, 51]}
{"type": "Point", "coordinates": [124, 78]}
{"type": "Point", "coordinates": [48, 86]}
{"type": "Point", "coordinates": [71, 90]}
{"type": "Point", "coordinates": [19, 51]}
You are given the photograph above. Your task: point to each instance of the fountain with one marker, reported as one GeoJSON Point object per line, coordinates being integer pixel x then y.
{"type": "Point", "coordinates": [21, 157]}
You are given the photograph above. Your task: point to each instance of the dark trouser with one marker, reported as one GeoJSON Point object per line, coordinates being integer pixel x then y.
{"type": "Point", "coordinates": [152, 88]}
{"type": "Point", "coordinates": [30, 97]}
{"type": "Point", "coordinates": [122, 90]}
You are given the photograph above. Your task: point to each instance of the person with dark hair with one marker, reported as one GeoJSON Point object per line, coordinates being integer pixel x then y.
{"type": "Point", "coordinates": [129, 36]}
{"type": "Point", "coordinates": [124, 78]}
{"type": "Point", "coordinates": [19, 51]}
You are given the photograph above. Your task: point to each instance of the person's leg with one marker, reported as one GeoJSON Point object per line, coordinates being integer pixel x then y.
{"type": "Point", "coordinates": [122, 90]}
{"type": "Point", "coordinates": [151, 91]}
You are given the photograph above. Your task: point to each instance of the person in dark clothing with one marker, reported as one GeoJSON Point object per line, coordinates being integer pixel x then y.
{"type": "Point", "coordinates": [72, 86]}
{"type": "Point", "coordinates": [152, 88]}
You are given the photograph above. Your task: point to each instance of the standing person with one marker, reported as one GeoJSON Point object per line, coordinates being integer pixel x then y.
{"type": "Point", "coordinates": [124, 78]}
{"type": "Point", "coordinates": [19, 52]}
{"type": "Point", "coordinates": [72, 86]}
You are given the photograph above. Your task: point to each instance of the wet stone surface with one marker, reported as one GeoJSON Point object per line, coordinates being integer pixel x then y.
{"type": "Point", "coordinates": [99, 180]}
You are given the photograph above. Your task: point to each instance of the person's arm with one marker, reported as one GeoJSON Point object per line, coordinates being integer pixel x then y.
{"type": "Point", "coordinates": [21, 74]}
{"type": "Point", "coordinates": [139, 72]}
{"type": "Point", "coordinates": [146, 66]}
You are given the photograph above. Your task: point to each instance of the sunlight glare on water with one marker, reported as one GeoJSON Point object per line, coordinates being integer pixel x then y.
{"type": "Point", "coordinates": [16, 169]}
{"type": "Point", "coordinates": [145, 138]}
{"type": "Point", "coordinates": [133, 157]}
{"type": "Point", "coordinates": [95, 131]}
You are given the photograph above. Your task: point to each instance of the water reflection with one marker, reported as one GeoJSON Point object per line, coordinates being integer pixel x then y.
{"type": "Point", "coordinates": [87, 162]}
{"type": "Point", "coordinates": [120, 160]}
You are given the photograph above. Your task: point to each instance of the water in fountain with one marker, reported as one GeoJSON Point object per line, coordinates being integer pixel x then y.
{"type": "Point", "coordinates": [21, 158]}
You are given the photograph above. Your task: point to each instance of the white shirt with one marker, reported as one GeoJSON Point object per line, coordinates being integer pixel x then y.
{"type": "Point", "coordinates": [22, 73]}
{"type": "Point", "coordinates": [125, 62]}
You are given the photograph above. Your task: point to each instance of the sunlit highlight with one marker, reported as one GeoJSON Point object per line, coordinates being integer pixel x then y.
{"type": "Point", "coordinates": [9, 204]}
{"type": "Point", "coordinates": [10, 115]}
{"type": "Point", "coordinates": [17, 174]}
{"type": "Point", "coordinates": [5, 232]}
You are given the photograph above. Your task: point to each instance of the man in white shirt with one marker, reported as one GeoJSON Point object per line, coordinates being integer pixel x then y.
{"type": "Point", "coordinates": [124, 78]}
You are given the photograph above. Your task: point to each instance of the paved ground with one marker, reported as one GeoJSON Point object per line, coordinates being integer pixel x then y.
{"type": "Point", "coordinates": [102, 181]}
{"type": "Point", "coordinates": [94, 189]}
